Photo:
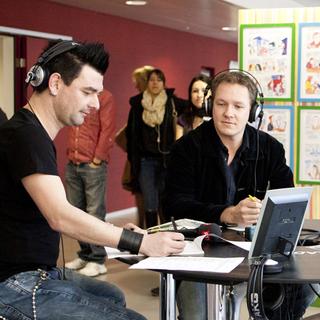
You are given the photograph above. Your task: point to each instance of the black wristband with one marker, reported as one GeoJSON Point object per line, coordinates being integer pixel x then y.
{"type": "Point", "coordinates": [130, 241]}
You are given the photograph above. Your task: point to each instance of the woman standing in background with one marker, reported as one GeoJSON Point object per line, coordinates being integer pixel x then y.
{"type": "Point", "coordinates": [194, 115]}
{"type": "Point", "coordinates": [139, 79]}
{"type": "Point", "coordinates": [151, 131]}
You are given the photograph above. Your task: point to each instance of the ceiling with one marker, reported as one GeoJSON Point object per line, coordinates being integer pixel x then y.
{"type": "Point", "coordinates": [202, 17]}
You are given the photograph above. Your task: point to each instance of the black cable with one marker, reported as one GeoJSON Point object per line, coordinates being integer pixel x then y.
{"type": "Point", "coordinates": [63, 259]}
{"type": "Point", "coordinates": [311, 234]}
{"type": "Point", "coordinates": [257, 158]}
{"type": "Point", "coordinates": [314, 290]}
{"type": "Point", "coordinates": [157, 127]}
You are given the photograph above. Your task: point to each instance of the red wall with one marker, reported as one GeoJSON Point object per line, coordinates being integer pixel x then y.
{"type": "Point", "coordinates": [131, 44]}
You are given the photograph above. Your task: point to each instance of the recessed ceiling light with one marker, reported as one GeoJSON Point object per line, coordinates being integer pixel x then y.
{"type": "Point", "coordinates": [136, 2]}
{"type": "Point", "coordinates": [229, 28]}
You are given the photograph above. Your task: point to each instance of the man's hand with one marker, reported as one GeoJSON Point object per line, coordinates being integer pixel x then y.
{"type": "Point", "coordinates": [245, 213]}
{"type": "Point", "coordinates": [162, 244]}
{"type": "Point", "coordinates": [133, 227]}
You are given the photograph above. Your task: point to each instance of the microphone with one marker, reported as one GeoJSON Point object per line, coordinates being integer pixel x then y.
{"type": "Point", "coordinates": [203, 229]}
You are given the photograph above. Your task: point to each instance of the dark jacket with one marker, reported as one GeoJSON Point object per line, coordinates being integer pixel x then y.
{"type": "Point", "coordinates": [196, 181]}
{"type": "Point", "coordinates": [135, 124]}
{"type": "Point", "coordinates": [3, 116]}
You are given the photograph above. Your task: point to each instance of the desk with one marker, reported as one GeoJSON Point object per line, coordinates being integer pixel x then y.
{"type": "Point", "coordinates": [302, 267]}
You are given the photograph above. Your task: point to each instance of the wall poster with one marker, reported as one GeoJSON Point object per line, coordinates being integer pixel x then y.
{"type": "Point", "coordinates": [267, 51]}
{"type": "Point", "coordinates": [308, 158]}
{"type": "Point", "coordinates": [309, 62]}
{"type": "Point", "coordinates": [278, 121]}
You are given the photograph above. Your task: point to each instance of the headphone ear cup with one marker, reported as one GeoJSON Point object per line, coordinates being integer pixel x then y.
{"type": "Point", "coordinates": [273, 296]}
{"type": "Point", "coordinates": [35, 76]}
{"type": "Point", "coordinates": [253, 113]}
{"type": "Point", "coordinates": [256, 112]}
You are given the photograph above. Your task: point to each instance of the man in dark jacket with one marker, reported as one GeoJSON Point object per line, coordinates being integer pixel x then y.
{"type": "Point", "coordinates": [215, 167]}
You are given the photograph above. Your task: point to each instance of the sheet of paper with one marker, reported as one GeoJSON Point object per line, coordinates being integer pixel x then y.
{"type": "Point", "coordinates": [192, 248]}
{"type": "Point", "coordinates": [246, 245]}
{"type": "Point", "coordinates": [205, 264]}
{"type": "Point", "coordinates": [113, 253]}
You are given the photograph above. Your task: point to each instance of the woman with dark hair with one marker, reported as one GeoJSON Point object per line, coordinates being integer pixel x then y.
{"type": "Point", "coordinates": [150, 135]}
{"type": "Point", "coordinates": [194, 115]}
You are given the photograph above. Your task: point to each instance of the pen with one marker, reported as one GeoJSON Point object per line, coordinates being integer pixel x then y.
{"type": "Point", "coordinates": [174, 224]}
{"type": "Point", "coordinates": [252, 198]}
{"type": "Point", "coordinates": [161, 226]}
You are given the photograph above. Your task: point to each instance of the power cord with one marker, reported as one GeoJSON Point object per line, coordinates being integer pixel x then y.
{"type": "Point", "coordinates": [63, 258]}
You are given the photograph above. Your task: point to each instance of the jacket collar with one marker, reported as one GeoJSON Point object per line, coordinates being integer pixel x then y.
{"type": "Point", "coordinates": [212, 142]}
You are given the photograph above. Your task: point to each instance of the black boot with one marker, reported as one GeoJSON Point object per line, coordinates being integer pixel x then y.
{"type": "Point", "coordinates": [151, 218]}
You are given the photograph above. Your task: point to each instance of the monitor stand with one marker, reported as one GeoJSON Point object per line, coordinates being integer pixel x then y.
{"type": "Point", "coordinates": [272, 266]}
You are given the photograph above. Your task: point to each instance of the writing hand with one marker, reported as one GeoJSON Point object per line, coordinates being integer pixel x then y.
{"type": "Point", "coordinates": [162, 244]}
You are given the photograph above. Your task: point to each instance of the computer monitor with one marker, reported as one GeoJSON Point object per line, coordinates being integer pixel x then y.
{"type": "Point", "coordinates": [280, 222]}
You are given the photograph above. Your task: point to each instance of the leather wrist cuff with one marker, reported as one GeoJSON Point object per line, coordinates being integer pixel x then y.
{"type": "Point", "coordinates": [130, 241]}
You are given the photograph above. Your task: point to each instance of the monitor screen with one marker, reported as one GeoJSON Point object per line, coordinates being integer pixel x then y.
{"type": "Point", "coordinates": [280, 221]}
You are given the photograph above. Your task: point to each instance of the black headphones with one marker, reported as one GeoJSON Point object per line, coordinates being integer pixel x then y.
{"type": "Point", "coordinates": [262, 299]}
{"type": "Point", "coordinates": [38, 74]}
{"type": "Point", "coordinates": [256, 111]}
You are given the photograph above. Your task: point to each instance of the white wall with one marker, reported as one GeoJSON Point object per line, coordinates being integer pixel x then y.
{"type": "Point", "coordinates": [7, 75]}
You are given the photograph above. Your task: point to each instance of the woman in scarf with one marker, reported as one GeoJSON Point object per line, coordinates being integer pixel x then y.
{"type": "Point", "coordinates": [151, 131]}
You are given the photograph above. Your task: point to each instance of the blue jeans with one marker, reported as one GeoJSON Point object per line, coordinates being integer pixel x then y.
{"type": "Point", "coordinates": [192, 301]}
{"type": "Point", "coordinates": [151, 181]}
{"type": "Point", "coordinates": [85, 188]}
{"type": "Point", "coordinates": [78, 297]}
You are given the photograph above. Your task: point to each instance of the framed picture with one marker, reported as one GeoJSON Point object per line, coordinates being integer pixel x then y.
{"type": "Point", "coordinates": [308, 157]}
{"type": "Point", "coordinates": [309, 62]}
{"type": "Point", "coordinates": [207, 71]}
{"type": "Point", "coordinates": [278, 121]}
{"type": "Point", "coordinates": [267, 52]}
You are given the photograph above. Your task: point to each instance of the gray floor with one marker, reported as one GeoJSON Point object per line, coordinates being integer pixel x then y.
{"type": "Point", "coordinates": [136, 285]}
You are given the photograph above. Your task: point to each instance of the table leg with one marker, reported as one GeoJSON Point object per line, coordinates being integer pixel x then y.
{"type": "Point", "coordinates": [234, 297]}
{"type": "Point", "coordinates": [224, 302]}
{"type": "Point", "coordinates": [216, 302]}
{"type": "Point", "coordinates": [167, 296]}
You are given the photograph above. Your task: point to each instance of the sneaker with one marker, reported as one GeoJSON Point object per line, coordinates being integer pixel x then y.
{"type": "Point", "coordinates": [76, 264]}
{"type": "Point", "coordinates": [93, 269]}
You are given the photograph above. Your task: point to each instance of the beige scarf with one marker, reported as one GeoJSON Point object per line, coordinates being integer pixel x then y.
{"type": "Point", "coordinates": [153, 113]}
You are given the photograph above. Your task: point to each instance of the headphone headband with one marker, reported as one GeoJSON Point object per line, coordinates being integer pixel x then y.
{"type": "Point", "coordinates": [37, 73]}
{"type": "Point", "coordinates": [57, 49]}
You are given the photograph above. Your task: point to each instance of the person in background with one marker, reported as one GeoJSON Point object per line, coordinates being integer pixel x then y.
{"type": "Point", "coordinates": [34, 210]}
{"type": "Point", "coordinates": [214, 168]}
{"type": "Point", "coordinates": [150, 135]}
{"type": "Point", "coordinates": [89, 147]}
{"type": "Point", "coordinates": [3, 116]}
{"type": "Point", "coordinates": [139, 79]}
{"type": "Point", "coordinates": [193, 116]}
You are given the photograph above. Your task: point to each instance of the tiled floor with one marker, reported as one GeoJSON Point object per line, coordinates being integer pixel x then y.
{"type": "Point", "coordinates": [136, 285]}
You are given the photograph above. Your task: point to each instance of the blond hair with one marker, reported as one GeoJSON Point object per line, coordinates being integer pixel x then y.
{"type": "Point", "coordinates": [140, 77]}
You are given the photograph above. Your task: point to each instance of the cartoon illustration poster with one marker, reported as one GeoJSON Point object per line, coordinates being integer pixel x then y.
{"type": "Point", "coordinates": [308, 169]}
{"type": "Point", "coordinates": [267, 52]}
{"type": "Point", "coordinates": [309, 62]}
{"type": "Point", "coordinates": [278, 121]}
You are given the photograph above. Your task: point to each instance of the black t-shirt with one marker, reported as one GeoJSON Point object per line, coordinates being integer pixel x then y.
{"type": "Point", "coordinates": [27, 241]}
